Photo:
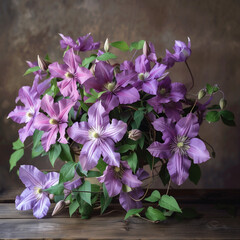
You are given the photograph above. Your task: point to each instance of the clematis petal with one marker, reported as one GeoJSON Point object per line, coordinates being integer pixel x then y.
{"type": "Point", "coordinates": [64, 107]}
{"type": "Point", "coordinates": [49, 106]}
{"type": "Point", "coordinates": [26, 200]}
{"type": "Point", "coordinates": [62, 130]}
{"type": "Point", "coordinates": [178, 92]}
{"type": "Point", "coordinates": [74, 183]}
{"type": "Point", "coordinates": [71, 60]}
{"type": "Point", "coordinates": [26, 131]}
{"type": "Point", "coordinates": [198, 151]}
{"type": "Point", "coordinates": [26, 96]}
{"type": "Point", "coordinates": [83, 74]}
{"type": "Point", "coordinates": [155, 102]}
{"type": "Point", "coordinates": [115, 130]}
{"type": "Point", "coordinates": [128, 76]}
{"type": "Point", "coordinates": [90, 155]}
{"type": "Point", "coordinates": [142, 174]}
{"type": "Point", "coordinates": [104, 72]}
{"type": "Point", "coordinates": [150, 86]}
{"type": "Point", "coordinates": [109, 155]}
{"type": "Point", "coordinates": [31, 176]}
{"type": "Point", "coordinates": [19, 114]}
{"type": "Point", "coordinates": [66, 41]}
{"type": "Point", "coordinates": [49, 138]}
{"type": "Point", "coordinates": [41, 122]}
{"type": "Point", "coordinates": [127, 199]}
{"type": "Point", "coordinates": [79, 132]}
{"type": "Point", "coordinates": [128, 95]}
{"type": "Point", "coordinates": [188, 126]}
{"type": "Point", "coordinates": [57, 70]}
{"type": "Point", "coordinates": [41, 207]}
{"type": "Point", "coordinates": [142, 64]}
{"type": "Point", "coordinates": [52, 179]}
{"type": "Point", "coordinates": [157, 71]}
{"type": "Point", "coordinates": [68, 88]}
{"type": "Point", "coordinates": [178, 167]}
{"type": "Point", "coordinates": [130, 180]}
{"type": "Point", "coordinates": [161, 150]}
{"type": "Point", "coordinates": [109, 101]}
{"type": "Point", "coordinates": [173, 110]}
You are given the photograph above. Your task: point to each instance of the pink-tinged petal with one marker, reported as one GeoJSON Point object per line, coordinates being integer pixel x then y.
{"type": "Point", "coordinates": [188, 126]}
{"type": "Point", "coordinates": [71, 60]}
{"type": "Point", "coordinates": [128, 95]}
{"type": "Point", "coordinates": [79, 132]}
{"type": "Point", "coordinates": [52, 179]}
{"type": "Point", "coordinates": [142, 174]}
{"type": "Point", "coordinates": [41, 207]}
{"type": "Point", "coordinates": [74, 183]}
{"type": "Point", "coordinates": [26, 96]}
{"type": "Point", "coordinates": [94, 83]}
{"type": "Point", "coordinates": [166, 126]}
{"type": "Point", "coordinates": [41, 122]}
{"type": "Point", "coordinates": [109, 101]}
{"type": "Point", "coordinates": [150, 86]}
{"type": "Point", "coordinates": [57, 70]}
{"type": "Point", "coordinates": [90, 155]}
{"type": "Point", "coordinates": [68, 88]}
{"type": "Point", "coordinates": [178, 167]}
{"type": "Point", "coordinates": [161, 150]}
{"type": "Point", "coordinates": [142, 64]}
{"type": "Point", "coordinates": [62, 130]}
{"type": "Point", "coordinates": [83, 74]}
{"type": "Point", "coordinates": [126, 77]}
{"type": "Point", "coordinates": [109, 155]}
{"type": "Point", "coordinates": [130, 180]}
{"type": "Point", "coordinates": [115, 130]}
{"type": "Point", "coordinates": [26, 200]}
{"type": "Point", "coordinates": [98, 117]}
{"type": "Point", "coordinates": [64, 107]}
{"type": "Point", "coordinates": [26, 131]}
{"type": "Point", "coordinates": [198, 151]}
{"type": "Point", "coordinates": [31, 176]}
{"type": "Point", "coordinates": [19, 114]}
{"type": "Point", "coordinates": [43, 86]}
{"type": "Point", "coordinates": [157, 71]}
{"type": "Point", "coordinates": [127, 199]}
{"type": "Point", "coordinates": [127, 65]}
{"type": "Point", "coordinates": [49, 106]}
{"type": "Point", "coordinates": [178, 92]}
{"type": "Point", "coordinates": [104, 72]}
{"type": "Point", "coordinates": [49, 138]}
{"type": "Point", "coordinates": [155, 102]}
{"type": "Point", "coordinates": [66, 41]}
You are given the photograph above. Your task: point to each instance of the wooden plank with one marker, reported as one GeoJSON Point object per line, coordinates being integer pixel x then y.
{"type": "Point", "coordinates": [113, 227]}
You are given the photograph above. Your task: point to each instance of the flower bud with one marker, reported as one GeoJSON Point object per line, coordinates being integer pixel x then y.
{"type": "Point", "coordinates": [51, 196]}
{"type": "Point", "coordinates": [59, 207]}
{"type": "Point", "coordinates": [92, 69]}
{"type": "Point", "coordinates": [201, 93]}
{"type": "Point", "coordinates": [42, 63]}
{"type": "Point", "coordinates": [106, 45]}
{"type": "Point", "coordinates": [135, 134]}
{"type": "Point", "coordinates": [146, 49]}
{"type": "Point", "coordinates": [222, 103]}
{"type": "Point", "coordinates": [67, 202]}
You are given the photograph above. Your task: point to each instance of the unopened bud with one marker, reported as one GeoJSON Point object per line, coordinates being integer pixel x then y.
{"type": "Point", "coordinates": [146, 49]}
{"type": "Point", "coordinates": [135, 134]}
{"type": "Point", "coordinates": [106, 45]}
{"type": "Point", "coordinates": [201, 93]}
{"type": "Point", "coordinates": [51, 196]}
{"type": "Point", "coordinates": [59, 207]}
{"type": "Point", "coordinates": [67, 202]}
{"type": "Point", "coordinates": [42, 63]}
{"type": "Point", "coordinates": [92, 69]}
{"type": "Point", "coordinates": [222, 103]}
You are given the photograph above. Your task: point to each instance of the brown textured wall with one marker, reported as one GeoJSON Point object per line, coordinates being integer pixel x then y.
{"type": "Point", "coordinates": [31, 27]}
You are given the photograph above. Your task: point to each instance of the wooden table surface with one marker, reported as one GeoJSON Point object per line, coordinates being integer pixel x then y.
{"type": "Point", "coordinates": [214, 223]}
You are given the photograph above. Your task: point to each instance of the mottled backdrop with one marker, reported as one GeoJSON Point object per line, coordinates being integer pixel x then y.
{"type": "Point", "coordinates": [31, 27]}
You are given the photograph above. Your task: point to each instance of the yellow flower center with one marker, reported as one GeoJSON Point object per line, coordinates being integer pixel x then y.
{"type": "Point", "coordinates": [93, 134]}
{"type": "Point", "coordinates": [110, 86]}
{"type": "Point", "coordinates": [30, 115]}
{"type": "Point", "coordinates": [53, 121]}
{"type": "Point", "coordinates": [180, 144]}
{"type": "Point", "coordinates": [117, 169]}
{"type": "Point", "coordinates": [69, 75]}
{"type": "Point", "coordinates": [162, 91]}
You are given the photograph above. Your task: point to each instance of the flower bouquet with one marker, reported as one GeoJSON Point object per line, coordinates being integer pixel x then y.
{"type": "Point", "coordinates": [108, 120]}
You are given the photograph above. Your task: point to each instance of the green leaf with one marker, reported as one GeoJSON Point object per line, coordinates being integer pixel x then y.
{"type": "Point", "coordinates": [67, 172]}
{"type": "Point", "coordinates": [212, 116]}
{"type": "Point", "coordinates": [84, 106]}
{"type": "Point", "coordinates": [230, 123]}
{"type": "Point", "coordinates": [137, 45]}
{"type": "Point", "coordinates": [37, 150]}
{"type": "Point", "coordinates": [54, 153]}
{"type": "Point", "coordinates": [106, 56]}
{"type": "Point", "coordinates": [85, 210]}
{"type": "Point", "coordinates": [155, 196]}
{"type": "Point", "coordinates": [194, 173]}
{"type": "Point", "coordinates": [164, 174]}
{"type": "Point", "coordinates": [154, 214]}
{"type": "Point", "coordinates": [209, 89]}
{"type": "Point", "coordinates": [15, 157]}
{"type": "Point", "coordinates": [141, 141]}
{"type": "Point", "coordinates": [86, 196]}
{"type": "Point", "coordinates": [92, 99]}
{"type": "Point", "coordinates": [37, 135]}
{"type": "Point", "coordinates": [94, 93]}
{"type": "Point", "coordinates": [138, 117]}
{"type": "Point", "coordinates": [31, 70]}
{"type": "Point", "coordinates": [65, 154]}
{"type": "Point", "coordinates": [80, 171]}
{"type": "Point", "coordinates": [100, 94]}
{"type": "Point", "coordinates": [93, 174]}
{"type": "Point", "coordinates": [84, 118]}
{"type": "Point", "coordinates": [213, 107]}
{"type": "Point", "coordinates": [101, 166]}
{"type": "Point", "coordinates": [73, 207]}
{"type": "Point", "coordinates": [133, 212]}
{"type": "Point", "coordinates": [17, 144]}
{"type": "Point", "coordinates": [88, 60]}
{"type": "Point", "coordinates": [132, 160]}
{"type": "Point", "coordinates": [126, 147]}
{"type": "Point", "coordinates": [227, 115]}
{"type": "Point", "coordinates": [56, 189]}
{"type": "Point", "coordinates": [169, 203]}
{"type": "Point", "coordinates": [105, 199]}
{"type": "Point", "coordinates": [122, 45]}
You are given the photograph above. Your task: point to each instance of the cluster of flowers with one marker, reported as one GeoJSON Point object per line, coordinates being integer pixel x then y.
{"type": "Point", "coordinates": [111, 115]}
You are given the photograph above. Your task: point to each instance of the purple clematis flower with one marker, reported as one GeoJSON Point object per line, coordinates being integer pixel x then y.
{"type": "Point", "coordinates": [117, 92]}
{"type": "Point", "coordinates": [149, 51]}
{"type": "Point", "coordinates": [83, 44]}
{"type": "Point", "coordinates": [115, 177]}
{"type": "Point", "coordinates": [27, 113]}
{"type": "Point", "coordinates": [130, 200]}
{"type": "Point", "coordinates": [180, 143]}
{"type": "Point", "coordinates": [182, 52]}
{"type": "Point", "coordinates": [33, 197]}
{"type": "Point", "coordinates": [168, 97]}
{"type": "Point", "coordinates": [71, 74]}
{"type": "Point", "coordinates": [98, 137]}
{"type": "Point", "coordinates": [147, 77]}
{"type": "Point", "coordinates": [56, 122]}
